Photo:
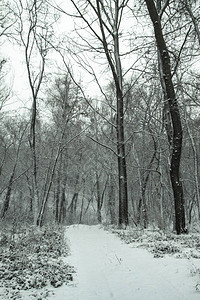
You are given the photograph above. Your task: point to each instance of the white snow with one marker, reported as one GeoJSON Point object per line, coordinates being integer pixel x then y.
{"type": "Point", "coordinates": [108, 269]}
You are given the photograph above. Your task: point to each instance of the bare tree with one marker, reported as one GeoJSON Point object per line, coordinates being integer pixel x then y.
{"type": "Point", "coordinates": [7, 20]}
{"type": "Point", "coordinates": [34, 27]}
{"type": "Point", "coordinates": [192, 9]}
{"type": "Point", "coordinates": [65, 104]}
{"type": "Point", "coordinates": [175, 137]}
{"type": "Point", "coordinates": [105, 30]}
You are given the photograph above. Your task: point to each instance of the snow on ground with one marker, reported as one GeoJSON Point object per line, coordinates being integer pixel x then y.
{"type": "Point", "coordinates": [108, 269]}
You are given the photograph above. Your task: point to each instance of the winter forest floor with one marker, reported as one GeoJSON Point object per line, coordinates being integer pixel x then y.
{"type": "Point", "coordinates": [118, 265]}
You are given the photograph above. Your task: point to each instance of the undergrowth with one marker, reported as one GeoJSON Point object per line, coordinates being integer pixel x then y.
{"type": "Point", "coordinates": [160, 243]}
{"type": "Point", "coordinates": [31, 259]}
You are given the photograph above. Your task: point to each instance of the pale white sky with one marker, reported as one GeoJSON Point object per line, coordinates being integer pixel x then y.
{"type": "Point", "coordinates": [17, 76]}
{"type": "Point", "coordinates": [15, 68]}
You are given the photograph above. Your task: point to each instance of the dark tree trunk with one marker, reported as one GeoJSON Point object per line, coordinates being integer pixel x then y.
{"type": "Point", "coordinates": [111, 201]}
{"type": "Point", "coordinates": [57, 198]}
{"type": "Point", "coordinates": [7, 198]}
{"type": "Point", "coordinates": [98, 199]}
{"type": "Point", "coordinates": [122, 174]}
{"type": "Point", "coordinates": [32, 143]}
{"type": "Point", "coordinates": [176, 139]}
{"type": "Point", "coordinates": [82, 201]}
{"type": "Point", "coordinates": [72, 208]}
{"type": "Point", "coordinates": [31, 194]}
{"type": "Point", "coordinates": [139, 211]}
{"type": "Point", "coordinates": [62, 212]}
{"type": "Point", "coordinates": [73, 204]}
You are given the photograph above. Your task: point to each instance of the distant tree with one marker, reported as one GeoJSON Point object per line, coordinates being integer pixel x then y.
{"type": "Point", "coordinates": [103, 21]}
{"type": "Point", "coordinates": [65, 104]}
{"type": "Point", "coordinates": [17, 144]}
{"type": "Point", "coordinates": [34, 28]}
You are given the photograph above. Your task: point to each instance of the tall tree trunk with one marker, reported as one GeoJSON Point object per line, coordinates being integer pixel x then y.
{"type": "Point", "coordinates": [116, 70]}
{"type": "Point", "coordinates": [32, 142]}
{"type": "Point", "coordinates": [176, 141]}
{"type": "Point", "coordinates": [123, 190]}
{"type": "Point", "coordinates": [122, 173]}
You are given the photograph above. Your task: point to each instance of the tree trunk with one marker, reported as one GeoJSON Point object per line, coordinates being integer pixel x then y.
{"type": "Point", "coordinates": [162, 222]}
{"type": "Point", "coordinates": [122, 174]}
{"type": "Point", "coordinates": [176, 141]}
{"type": "Point", "coordinates": [116, 69]}
{"type": "Point", "coordinates": [72, 207]}
{"type": "Point", "coordinates": [111, 200]}
{"type": "Point", "coordinates": [123, 190]}
{"type": "Point", "coordinates": [57, 197]}
{"type": "Point", "coordinates": [32, 142]}
{"type": "Point", "coordinates": [82, 200]}
{"type": "Point", "coordinates": [7, 198]}
{"type": "Point", "coordinates": [98, 198]}
{"type": "Point", "coordinates": [62, 212]}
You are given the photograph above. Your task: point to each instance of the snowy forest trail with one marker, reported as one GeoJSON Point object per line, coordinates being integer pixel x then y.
{"type": "Point", "coordinates": [108, 269]}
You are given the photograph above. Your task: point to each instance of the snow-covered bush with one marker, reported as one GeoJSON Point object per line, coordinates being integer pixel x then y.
{"type": "Point", "coordinates": [161, 243]}
{"type": "Point", "coordinates": [34, 260]}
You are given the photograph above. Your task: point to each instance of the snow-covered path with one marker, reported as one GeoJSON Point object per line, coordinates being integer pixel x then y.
{"type": "Point", "coordinates": [108, 269]}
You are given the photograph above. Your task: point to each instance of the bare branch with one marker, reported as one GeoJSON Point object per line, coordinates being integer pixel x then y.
{"type": "Point", "coordinates": [163, 8]}
{"type": "Point", "coordinates": [180, 51]}
{"type": "Point", "coordinates": [103, 145]}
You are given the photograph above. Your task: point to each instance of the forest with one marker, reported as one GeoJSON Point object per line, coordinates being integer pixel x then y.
{"type": "Point", "coordinates": [111, 134]}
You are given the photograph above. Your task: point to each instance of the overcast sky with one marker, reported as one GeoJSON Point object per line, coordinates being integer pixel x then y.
{"type": "Point", "coordinates": [15, 68]}
{"type": "Point", "coordinates": [17, 75]}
